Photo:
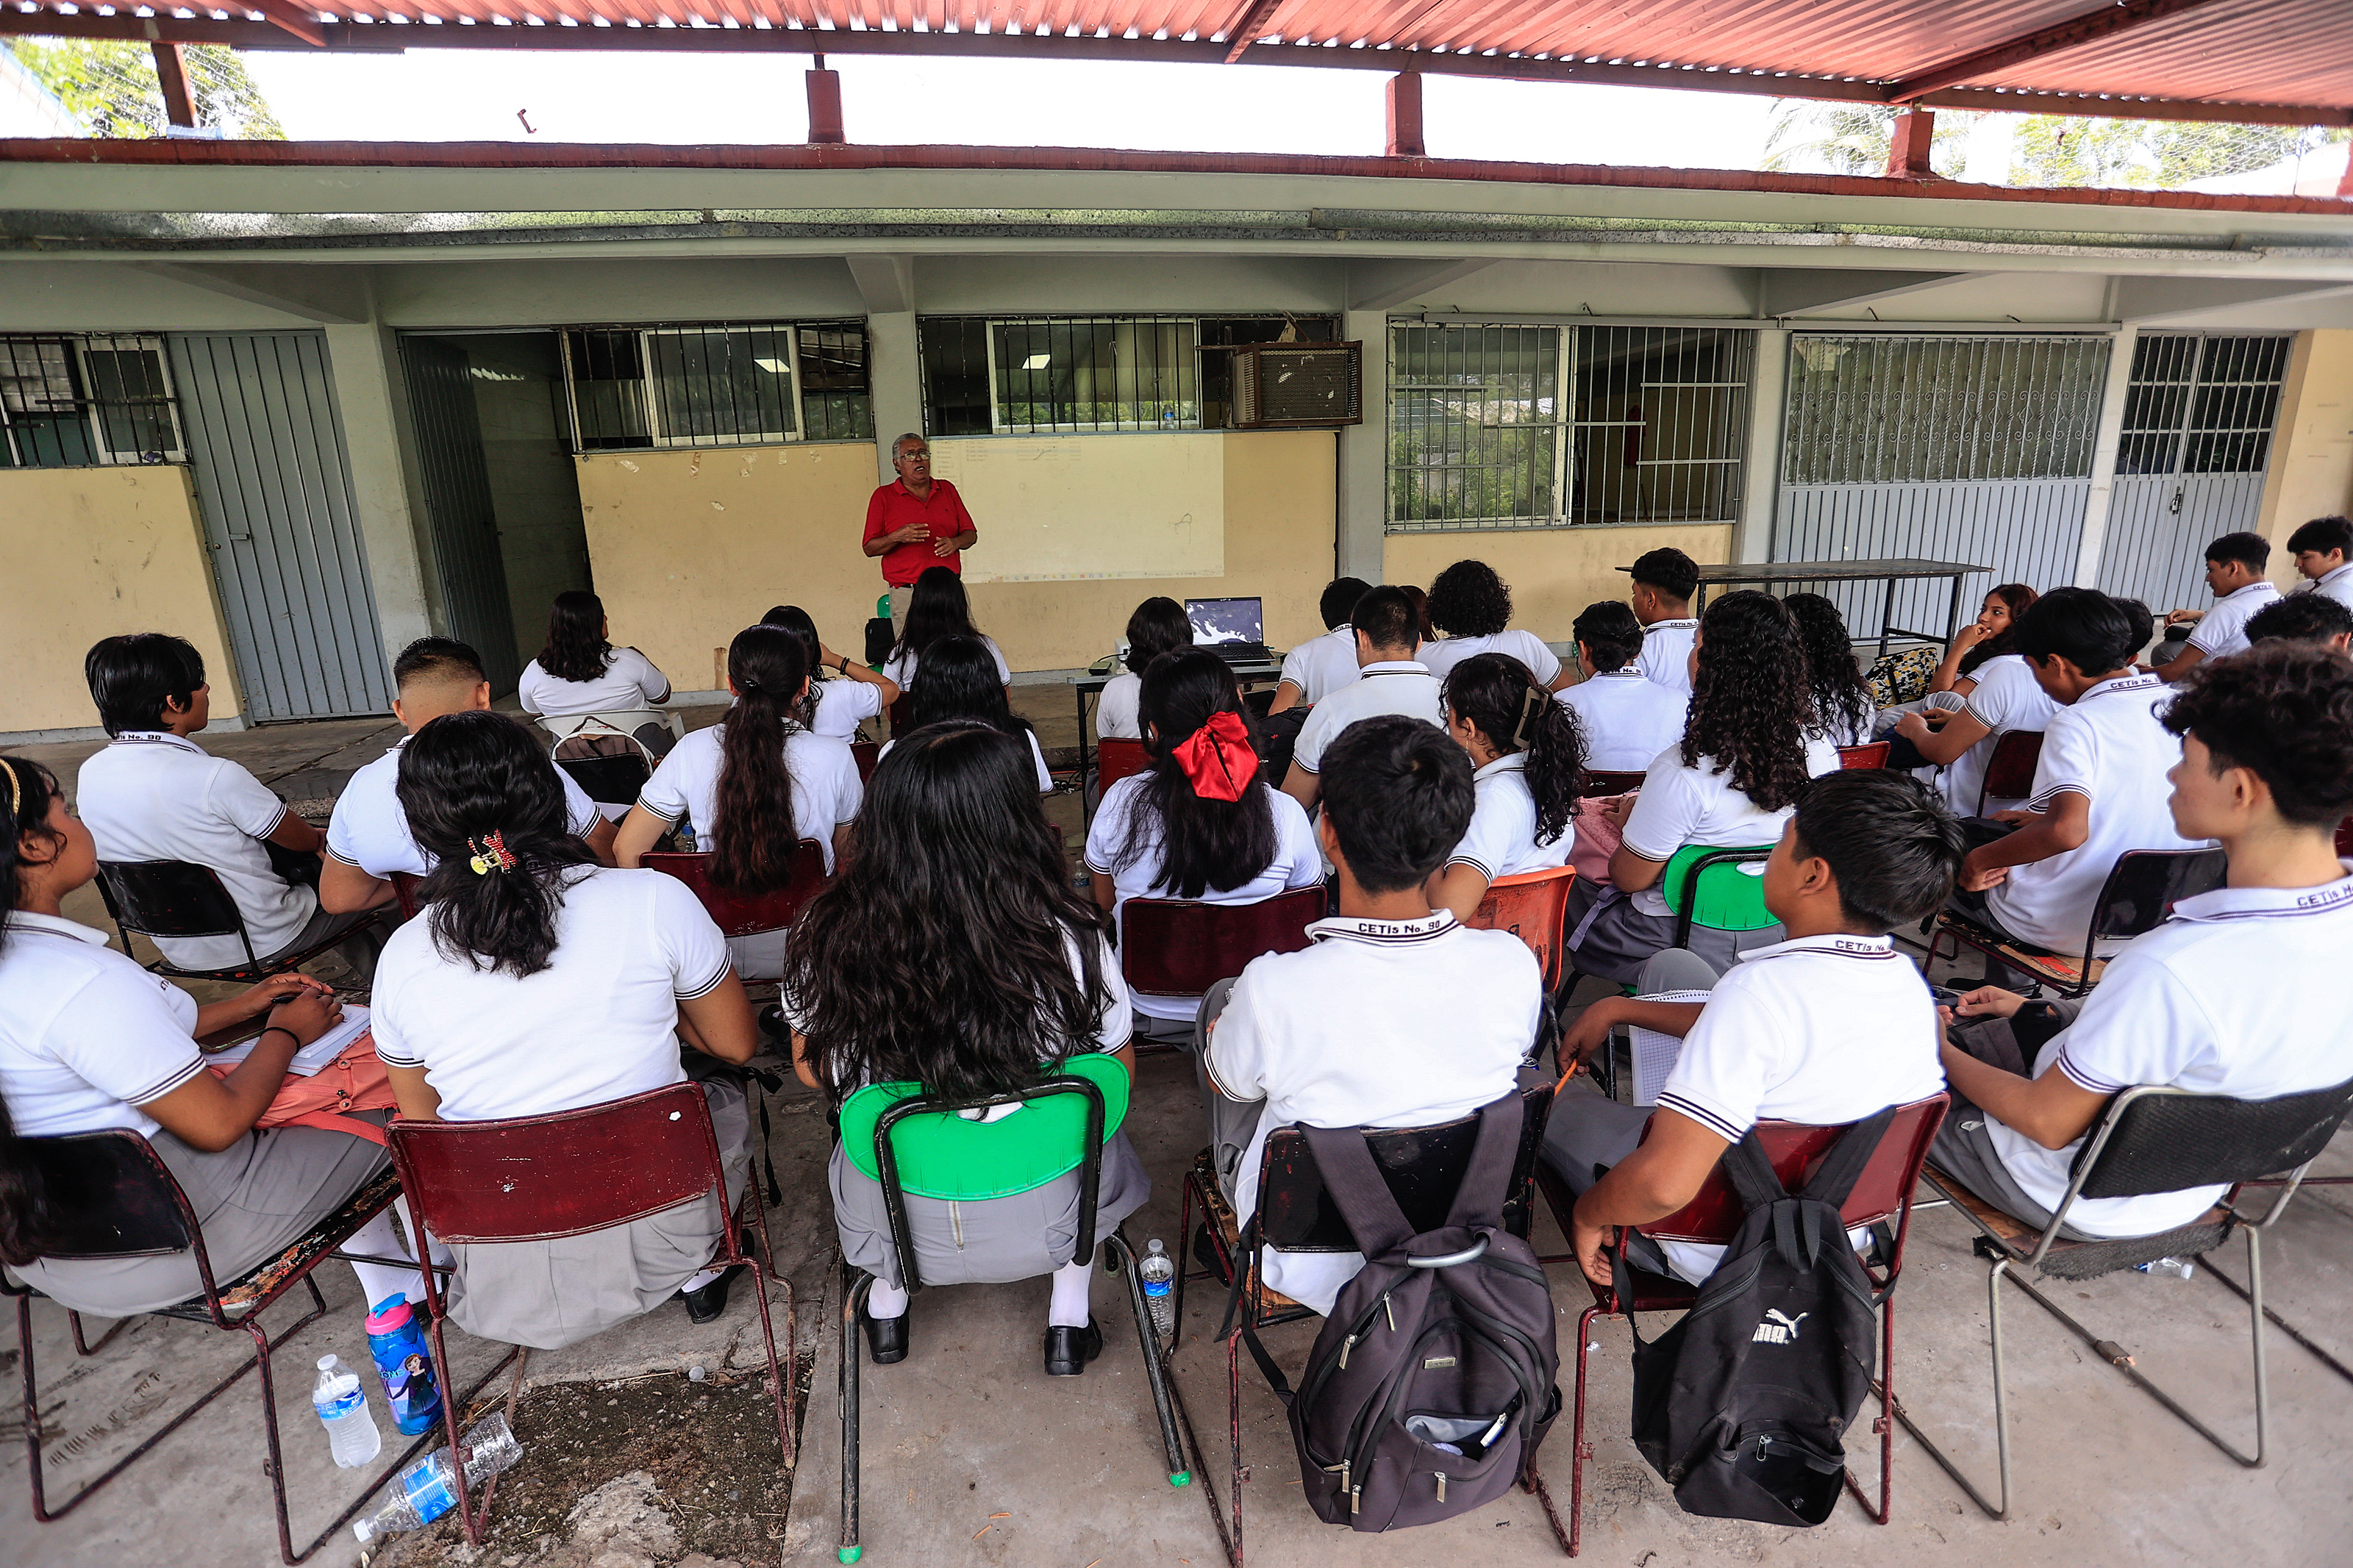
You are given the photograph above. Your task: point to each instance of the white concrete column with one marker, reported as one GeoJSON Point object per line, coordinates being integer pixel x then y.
{"type": "Point", "coordinates": [1361, 527]}
{"type": "Point", "coordinates": [387, 491]}
{"type": "Point", "coordinates": [896, 378]}
{"type": "Point", "coordinates": [1760, 485]}
{"type": "Point", "coordinates": [2105, 443]}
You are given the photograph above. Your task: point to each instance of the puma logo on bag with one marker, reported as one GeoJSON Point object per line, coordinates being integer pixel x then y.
{"type": "Point", "coordinates": [1781, 1330]}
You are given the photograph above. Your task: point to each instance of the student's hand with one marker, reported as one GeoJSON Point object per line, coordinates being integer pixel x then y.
{"type": "Point", "coordinates": [826, 657]}
{"type": "Point", "coordinates": [2015, 818]}
{"type": "Point", "coordinates": [260, 999]}
{"type": "Point", "coordinates": [2184, 617]}
{"type": "Point", "coordinates": [1970, 635]}
{"type": "Point", "coordinates": [1593, 1244]}
{"type": "Point", "coordinates": [1912, 727]}
{"type": "Point", "coordinates": [1938, 718]}
{"type": "Point", "coordinates": [1989, 1002]}
{"type": "Point", "coordinates": [1590, 1034]}
{"type": "Point", "coordinates": [1617, 809]}
{"type": "Point", "coordinates": [1977, 878]}
{"type": "Point", "coordinates": [306, 1016]}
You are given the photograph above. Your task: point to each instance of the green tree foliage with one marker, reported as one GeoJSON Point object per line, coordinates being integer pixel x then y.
{"type": "Point", "coordinates": [1853, 138]}
{"type": "Point", "coordinates": [110, 85]}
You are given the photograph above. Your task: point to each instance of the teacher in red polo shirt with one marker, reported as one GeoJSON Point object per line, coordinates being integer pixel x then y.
{"type": "Point", "coordinates": [915, 522]}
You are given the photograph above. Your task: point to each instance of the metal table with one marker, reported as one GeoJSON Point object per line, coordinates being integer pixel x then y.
{"type": "Point", "coordinates": [1246, 675]}
{"type": "Point", "coordinates": [1768, 573]}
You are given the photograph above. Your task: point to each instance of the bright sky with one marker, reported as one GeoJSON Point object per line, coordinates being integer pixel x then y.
{"type": "Point", "coordinates": [588, 96]}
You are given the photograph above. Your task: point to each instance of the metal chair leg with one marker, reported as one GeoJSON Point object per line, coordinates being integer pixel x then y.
{"type": "Point", "coordinates": [1234, 1434]}
{"type": "Point", "coordinates": [1154, 1359]}
{"type": "Point", "coordinates": [2001, 1409]}
{"type": "Point", "coordinates": [852, 1300]}
{"type": "Point", "coordinates": [104, 1340]}
{"type": "Point", "coordinates": [1883, 1424]}
{"type": "Point", "coordinates": [1580, 1452]}
{"type": "Point", "coordinates": [781, 1372]}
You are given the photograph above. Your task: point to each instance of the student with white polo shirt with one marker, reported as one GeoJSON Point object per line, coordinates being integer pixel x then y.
{"type": "Point", "coordinates": [835, 707]}
{"type": "Point", "coordinates": [938, 607]}
{"type": "Point", "coordinates": [89, 1042]}
{"type": "Point", "coordinates": [2314, 618]}
{"type": "Point", "coordinates": [368, 838]}
{"type": "Point", "coordinates": [1664, 581]}
{"type": "Point", "coordinates": [1472, 606]}
{"type": "Point", "coordinates": [2323, 550]}
{"type": "Point", "coordinates": [579, 672]}
{"type": "Point", "coordinates": [2230, 995]}
{"type": "Point", "coordinates": [754, 785]}
{"type": "Point", "coordinates": [1390, 679]}
{"type": "Point", "coordinates": [1320, 666]}
{"type": "Point", "coordinates": [1747, 752]}
{"type": "Point", "coordinates": [2006, 697]}
{"type": "Point", "coordinates": [1158, 626]}
{"type": "Point", "coordinates": [1527, 765]}
{"type": "Point", "coordinates": [2235, 570]}
{"type": "Point", "coordinates": [1196, 824]}
{"type": "Point", "coordinates": [1398, 1015]}
{"type": "Point", "coordinates": [2096, 789]}
{"type": "Point", "coordinates": [534, 982]}
{"type": "Point", "coordinates": [153, 794]}
{"type": "Point", "coordinates": [1829, 1026]}
{"type": "Point", "coordinates": [1626, 719]}
{"type": "Point", "coordinates": [958, 682]}
{"type": "Point", "coordinates": [1842, 701]}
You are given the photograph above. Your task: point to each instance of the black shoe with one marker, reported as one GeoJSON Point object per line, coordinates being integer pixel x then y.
{"type": "Point", "coordinates": [886, 1338]}
{"type": "Point", "coordinates": [773, 1025]}
{"type": "Point", "coordinates": [705, 1304]}
{"type": "Point", "coordinates": [1068, 1350]}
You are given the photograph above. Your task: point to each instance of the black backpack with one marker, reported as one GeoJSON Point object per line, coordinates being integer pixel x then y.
{"type": "Point", "coordinates": [1742, 1405]}
{"type": "Point", "coordinates": [1429, 1387]}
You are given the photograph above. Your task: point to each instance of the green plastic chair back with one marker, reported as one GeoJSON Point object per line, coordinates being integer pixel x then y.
{"type": "Point", "coordinates": [943, 1156]}
{"type": "Point", "coordinates": [1728, 895]}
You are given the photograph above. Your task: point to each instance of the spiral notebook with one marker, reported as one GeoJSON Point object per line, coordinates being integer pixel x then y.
{"type": "Point", "coordinates": [311, 1057]}
{"type": "Point", "coordinates": [1655, 1054]}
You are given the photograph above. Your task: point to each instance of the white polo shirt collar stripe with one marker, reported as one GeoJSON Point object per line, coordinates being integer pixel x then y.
{"type": "Point", "coordinates": [1833, 944]}
{"type": "Point", "coordinates": [1381, 934]}
{"type": "Point", "coordinates": [33, 923]}
{"type": "Point", "coordinates": [157, 738]}
{"type": "Point", "coordinates": [1396, 666]}
{"type": "Point", "coordinates": [1689, 623]}
{"type": "Point", "coordinates": [1509, 761]}
{"type": "Point", "coordinates": [2243, 903]}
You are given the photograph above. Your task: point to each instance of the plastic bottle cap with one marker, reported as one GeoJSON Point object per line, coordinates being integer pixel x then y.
{"type": "Point", "coordinates": [388, 1314]}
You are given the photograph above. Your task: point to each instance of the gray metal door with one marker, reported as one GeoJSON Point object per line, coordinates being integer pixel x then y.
{"type": "Point", "coordinates": [1948, 448]}
{"type": "Point", "coordinates": [457, 501]}
{"type": "Point", "coordinates": [266, 447]}
{"type": "Point", "coordinates": [2189, 466]}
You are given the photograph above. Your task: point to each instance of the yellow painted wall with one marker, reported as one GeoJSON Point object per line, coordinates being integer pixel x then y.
{"type": "Point", "coordinates": [119, 550]}
{"type": "Point", "coordinates": [2312, 454]}
{"type": "Point", "coordinates": [1554, 572]}
{"type": "Point", "coordinates": [688, 548]}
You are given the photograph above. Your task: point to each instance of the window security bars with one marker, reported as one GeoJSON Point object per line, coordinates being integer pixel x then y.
{"type": "Point", "coordinates": [79, 400]}
{"type": "Point", "coordinates": [2201, 405]}
{"type": "Point", "coordinates": [1868, 409]}
{"type": "Point", "coordinates": [723, 384]}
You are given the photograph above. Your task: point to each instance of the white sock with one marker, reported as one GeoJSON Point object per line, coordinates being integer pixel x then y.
{"type": "Point", "coordinates": [382, 1237]}
{"type": "Point", "coordinates": [1069, 1309]}
{"type": "Point", "coordinates": [699, 1281]}
{"type": "Point", "coordinates": [885, 1301]}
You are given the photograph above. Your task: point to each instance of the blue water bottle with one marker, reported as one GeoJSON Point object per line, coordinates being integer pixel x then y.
{"type": "Point", "coordinates": [405, 1363]}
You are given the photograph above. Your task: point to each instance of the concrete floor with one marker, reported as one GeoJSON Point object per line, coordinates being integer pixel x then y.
{"type": "Point", "coordinates": [969, 1427]}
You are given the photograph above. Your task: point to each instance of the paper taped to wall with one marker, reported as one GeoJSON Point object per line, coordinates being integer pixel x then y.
{"type": "Point", "coordinates": [1062, 509]}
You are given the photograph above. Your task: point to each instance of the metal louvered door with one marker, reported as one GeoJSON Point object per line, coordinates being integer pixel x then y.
{"type": "Point", "coordinates": [2189, 465]}
{"type": "Point", "coordinates": [275, 491]}
{"type": "Point", "coordinates": [1947, 447]}
{"type": "Point", "coordinates": [458, 500]}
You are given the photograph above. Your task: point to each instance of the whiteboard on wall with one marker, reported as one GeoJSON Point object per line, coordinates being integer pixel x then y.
{"type": "Point", "coordinates": [1070, 507]}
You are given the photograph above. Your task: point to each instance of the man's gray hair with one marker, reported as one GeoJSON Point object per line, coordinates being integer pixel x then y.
{"type": "Point", "coordinates": [900, 444]}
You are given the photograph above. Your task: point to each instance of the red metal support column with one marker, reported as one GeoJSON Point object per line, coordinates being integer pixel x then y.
{"type": "Point", "coordinates": [172, 71]}
{"type": "Point", "coordinates": [1405, 117]}
{"type": "Point", "coordinates": [825, 105]}
{"type": "Point", "coordinates": [1907, 151]}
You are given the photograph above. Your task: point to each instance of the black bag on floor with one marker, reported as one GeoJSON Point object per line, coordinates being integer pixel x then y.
{"type": "Point", "coordinates": [1429, 1386]}
{"type": "Point", "coordinates": [1743, 1404]}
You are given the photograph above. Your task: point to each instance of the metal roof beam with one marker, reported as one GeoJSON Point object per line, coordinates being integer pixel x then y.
{"type": "Point", "coordinates": [1383, 292]}
{"type": "Point", "coordinates": [304, 25]}
{"type": "Point", "coordinates": [1244, 30]}
{"type": "Point", "coordinates": [1795, 292]}
{"type": "Point", "coordinates": [2104, 23]}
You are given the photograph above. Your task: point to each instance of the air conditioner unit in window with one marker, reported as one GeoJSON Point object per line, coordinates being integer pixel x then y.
{"type": "Point", "coordinates": [1280, 386]}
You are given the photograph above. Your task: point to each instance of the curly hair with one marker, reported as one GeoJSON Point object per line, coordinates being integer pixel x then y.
{"type": "Point", "coordinates": [1842, 701]}
{"type": "Point", "coordinates": [2282, 710]}
{"type": "Point", "coordinates": [1496, 695]}
{"type": "Point", "coordinates": [1611, 635]}
{"type": "Point", "coordinates": [1751, 707]}
{"type": "Point", "coordinates": [1468, 600]}
{"type": "Point", "coordinates": [576, 648]}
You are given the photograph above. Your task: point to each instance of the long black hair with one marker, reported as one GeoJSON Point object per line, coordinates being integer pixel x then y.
{"type": "Point", "coordinates": [465, 777]}
{"type": "Point", "coordinates": [1751, 708]}
{"type": "Point", "coordinates": [1158, 626]}
{"type": "Point", "coordinates": [2016, 597]}
{"type": "Point", "coordinates": [24, 1203]}
{"type": "Point", "coordinates": [958, 680]}
{"type": "Point", "coordinates": [942, 953]}
{"type": "Point", "coordinates": [1842, 702]}
{"type": "Point", "coordinates": [751, 831]}
{"type": "Point", "coordinates": [1497, 696]}
{"type": "Point", "coordinates": [1206, 844]}
{"type": "Point", "coordinates": [936, 608]}
{"type": "Point", "coordinates": [798, 621]}
{"type": "Point", "coordinates": [1468, 600]}
{"type": "Point", "coordinates": [576, 648]}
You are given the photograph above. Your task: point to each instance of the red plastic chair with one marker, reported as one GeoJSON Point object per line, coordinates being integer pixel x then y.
{"type": "Point", "coordinates": [539, 1178]}
{"type": "Point", "coordinates": [1883, 1192]}
{"type": "Point", "coordinates": [866, 753]}
{"type": "Point", "coordinates": [748, 914]}
{"type": "Point", "coordinates": [403, 888]}
{"type": "Point", "coordinates": [2010, 770]}
{"type": "Point", "coordinates": [1179, 947]}
{"type": "Point", "coordinates": [1116, 759]}
{"type": "Point", "coordinates": [1531, 905]}
{"type": "Point", "coordinates": [903, 714]}
{"type": "Point", "coordinates": [1871, 755]}
{"type": "Point", "coordinates": [2344, 839]}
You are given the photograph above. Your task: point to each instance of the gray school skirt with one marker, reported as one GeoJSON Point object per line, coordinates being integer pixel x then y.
{"type": "Point", "coordinates": [550, 1294]}
{"type": "Point", "coordinates": [993, 1242]}
{"type": "Point", "coordinates": [1610, 938]}
{"type": "Point", "coordinates": [252, 1200]}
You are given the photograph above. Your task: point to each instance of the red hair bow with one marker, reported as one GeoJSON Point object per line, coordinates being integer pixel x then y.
{"type": "Point", "coordinates": [1217, 758]}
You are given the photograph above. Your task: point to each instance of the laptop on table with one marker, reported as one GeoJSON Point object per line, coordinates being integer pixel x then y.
{"type": "Point", "coordinates": [1233, 629]}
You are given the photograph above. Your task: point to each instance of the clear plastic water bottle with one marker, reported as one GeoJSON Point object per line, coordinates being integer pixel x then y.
{"type": "Point", "coordinates": [1157, 1270]}
{"type": "Point", "coordinates": [2173, 1268]}
{"type": "Point", "coordinates": [428, 1488]}
{"type": "Point", "coordinates": [342, 1407]}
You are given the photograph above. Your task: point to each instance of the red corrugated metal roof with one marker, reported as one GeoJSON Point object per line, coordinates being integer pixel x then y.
{"type": "Point", "coordinates": [2192, 55]}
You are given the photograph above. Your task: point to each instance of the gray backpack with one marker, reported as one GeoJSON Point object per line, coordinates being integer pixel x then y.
{"type": "Point", "coordinates": [1432, 1380]}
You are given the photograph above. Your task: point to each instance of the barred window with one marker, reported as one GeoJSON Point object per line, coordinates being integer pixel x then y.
{"type": "Point", "coordinates": [77, 400]}
{"type": "Point", "coordinates": [2201, 405]}
{"type": "Point", "coordinates": [724, 384]}
{"type": "Point", "coordinates": [1500, 425]}
{"type": "Point", "coordinates": [1030, 375]}
{"type": "Point", "coordinates": [1871, 409]}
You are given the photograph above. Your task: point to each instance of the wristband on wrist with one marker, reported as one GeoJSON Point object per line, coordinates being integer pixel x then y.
{"type": "Point", "coordinates": [279, 1029]}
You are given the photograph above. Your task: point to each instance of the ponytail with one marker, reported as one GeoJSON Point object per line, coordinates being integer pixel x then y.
{"type": "Point", "coordinates": [1209, 839]}
{"type": "Point", "coordinates": [1495, 693]}
{"type": "Point", "coordinates": [484, 801]}
{"type": "Point", "coordinates": [753, 834]}
{"type": "Point", "coordinates": [27, 790]}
